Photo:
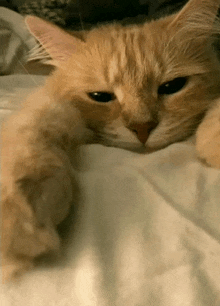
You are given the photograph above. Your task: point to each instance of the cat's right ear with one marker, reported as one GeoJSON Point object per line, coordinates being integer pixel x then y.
{"type": "Point", "coordinates": [59, 44]}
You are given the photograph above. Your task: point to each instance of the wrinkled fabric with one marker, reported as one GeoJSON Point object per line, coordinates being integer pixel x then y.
{"type": "Point", "coordinates": [15, 41]}
{"type": "Point", "coordinates": [145, 230]}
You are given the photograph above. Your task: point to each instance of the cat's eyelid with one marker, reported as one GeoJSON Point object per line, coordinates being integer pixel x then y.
{"type": "Point", "coordinates": [189, 71]}
{"type": "Point", "coordinates": [170, 79]}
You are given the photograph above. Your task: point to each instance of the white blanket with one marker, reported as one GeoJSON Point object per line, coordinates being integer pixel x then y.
{"type": "Point", "coordinates": [146, 231]}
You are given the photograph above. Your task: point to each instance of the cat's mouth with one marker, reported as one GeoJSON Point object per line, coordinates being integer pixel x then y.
{"type": "Point", "coordinates": [168, 132]}
{"type": "Point", "coordinates": [157, 138]}
{"type": "Point", "coordinates": [116, 140]}
{"type": "Point", "coordinates": [130, 143]}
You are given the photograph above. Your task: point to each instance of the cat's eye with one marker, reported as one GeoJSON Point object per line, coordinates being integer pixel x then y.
{"type": "Point", "coordinates": [173, 86]}
{"type": "Point", "coordinates": [101, 96]}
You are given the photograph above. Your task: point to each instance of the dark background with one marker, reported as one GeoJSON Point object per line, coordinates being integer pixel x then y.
{"type": "Point", "coordinates": [75, 14]}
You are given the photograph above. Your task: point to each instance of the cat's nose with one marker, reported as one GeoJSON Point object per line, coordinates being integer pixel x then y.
{"type": "Point", "coordinates": [142, 130]}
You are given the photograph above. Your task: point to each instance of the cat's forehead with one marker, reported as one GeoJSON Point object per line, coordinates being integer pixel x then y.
{"type": "Point", "coordinates": [133, 57]}
{"type": "Point", "coordinates": [127, 53]}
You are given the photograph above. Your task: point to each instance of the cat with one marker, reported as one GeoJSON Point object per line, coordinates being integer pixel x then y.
{"type": "Point", "coordinates": [133, 87]}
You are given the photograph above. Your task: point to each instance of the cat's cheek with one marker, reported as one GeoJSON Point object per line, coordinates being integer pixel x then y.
{"type": "Point", "coordinates": [208, 138]}
{"type": "Point", "coordinates": [168, 131]}
{"type": "Point", "coordinates": [117, 135]}
{"type": "Point", "coordinates": [128, 143]}
{"type": "Point", "coordinates": [159, 139]}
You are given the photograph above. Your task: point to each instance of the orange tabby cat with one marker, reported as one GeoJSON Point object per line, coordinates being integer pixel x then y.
{"type": "Point", "coordinates": [132, 87]}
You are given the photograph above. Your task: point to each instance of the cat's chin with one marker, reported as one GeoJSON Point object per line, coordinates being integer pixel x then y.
{"type": "Point", "coordinates": [129, 146]}
{"type": "Point", "coordinates": [139, 149]}
{"type": "Point", "coordinates": [133, 146]}
{"type": "Point", "coordinates": [136, 146]}
{"type": "Point", "coordinates": [158, 143]}
{"type": "Point", "coordinates": [153, 146]}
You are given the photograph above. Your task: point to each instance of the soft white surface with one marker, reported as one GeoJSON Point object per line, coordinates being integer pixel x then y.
{"type": "Point", "coordinates": [147, 232]}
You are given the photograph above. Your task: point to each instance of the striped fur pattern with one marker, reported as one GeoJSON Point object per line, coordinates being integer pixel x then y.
{"type": "Point", "coordinates": [158, 80]}
{"type": "Point", "coordinates": [132, 62]}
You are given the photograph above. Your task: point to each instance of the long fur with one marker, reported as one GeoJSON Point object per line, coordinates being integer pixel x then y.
{"type": "Point", "coordinates": [129, 62]}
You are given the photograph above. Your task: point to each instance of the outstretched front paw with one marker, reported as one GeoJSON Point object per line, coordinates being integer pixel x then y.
{"type": "Point", "coordinates": [37, 191]}
{"type": "Point", "coordinates": [30, 212]}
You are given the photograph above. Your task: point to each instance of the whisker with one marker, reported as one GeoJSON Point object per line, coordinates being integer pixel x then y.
{"type": "Point", "coordinates": [39, 53]}
{"type": "Point", "coordinates": [27, 71]}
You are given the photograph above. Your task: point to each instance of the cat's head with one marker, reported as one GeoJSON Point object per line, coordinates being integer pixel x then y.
{"type": "Point", "coordinates": [143, 85]}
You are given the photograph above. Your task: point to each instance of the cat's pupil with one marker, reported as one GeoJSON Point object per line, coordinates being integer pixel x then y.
{"type": "Point", "coordinates": [100, 96]}
{"type": "Point", "coordinates": [172, 87]}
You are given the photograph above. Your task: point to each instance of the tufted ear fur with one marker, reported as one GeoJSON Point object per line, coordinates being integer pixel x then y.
{"type": "Point", "coordinates": [57, 45]}
{"type": "Point", "coordinates": [197, 19]}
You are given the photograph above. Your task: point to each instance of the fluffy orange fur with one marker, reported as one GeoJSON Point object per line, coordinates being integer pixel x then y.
{"type": "Point", "coordinates": [135, 66]}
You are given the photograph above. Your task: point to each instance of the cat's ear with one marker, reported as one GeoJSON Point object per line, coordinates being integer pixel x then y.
{"type": "Point", "coordinates": [57, 43]}
{"type": "Point", "coordinates": [198, 18]}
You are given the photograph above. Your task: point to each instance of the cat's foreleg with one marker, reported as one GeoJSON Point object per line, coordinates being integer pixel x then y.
{"type": "Point", "coordinates": [208, 137]}
{"type": "Point", "coordinates": [36, 181]}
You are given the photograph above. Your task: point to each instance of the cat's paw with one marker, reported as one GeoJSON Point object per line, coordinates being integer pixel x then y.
{"type": "Point", "coordinates": [23, 245]}
{"type": "Point", "coordinates": [31, 208]}
{"type": "Point", "coordinates": [13, 268]}
{"type": "Point", "coordinates": [208, 138]}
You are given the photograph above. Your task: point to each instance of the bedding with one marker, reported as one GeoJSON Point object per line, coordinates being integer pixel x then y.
{"type": "Point", "coordinates": [146, 230]}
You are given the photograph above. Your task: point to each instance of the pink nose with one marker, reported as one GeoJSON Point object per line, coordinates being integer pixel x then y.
{"type": "Point", "coordinates": [142, 130]}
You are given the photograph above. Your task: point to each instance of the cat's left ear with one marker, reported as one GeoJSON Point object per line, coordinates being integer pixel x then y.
{"type": "Point", "coordinates": [197, 19]}
{"type": "Point", "coordinates": [59, 44]}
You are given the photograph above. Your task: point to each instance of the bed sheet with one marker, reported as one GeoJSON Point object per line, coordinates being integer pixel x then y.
{"type": "Point", "coordinates": [146, 232]}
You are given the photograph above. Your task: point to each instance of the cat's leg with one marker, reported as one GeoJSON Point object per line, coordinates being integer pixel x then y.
{"type": "Point", "coordinates": [37, 191]}
{"type": "Point", "coordinates": [208, 137]}
{"type": "Point", "coordinates": [37, 187]}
